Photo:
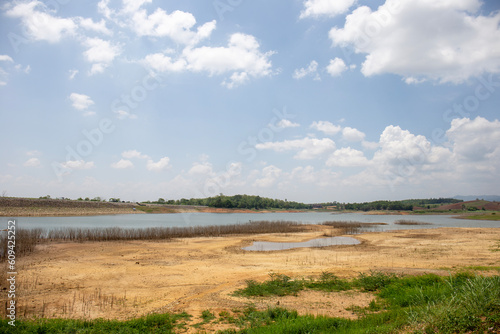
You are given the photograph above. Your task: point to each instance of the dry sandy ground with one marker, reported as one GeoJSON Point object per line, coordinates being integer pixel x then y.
{"type": "Point", "coordinates": [128, 279]}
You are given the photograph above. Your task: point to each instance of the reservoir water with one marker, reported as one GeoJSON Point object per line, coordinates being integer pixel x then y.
{"type": "Point", "coordinates": [205, 219]}
{"type": "Point", "coordinates": [261, 246]}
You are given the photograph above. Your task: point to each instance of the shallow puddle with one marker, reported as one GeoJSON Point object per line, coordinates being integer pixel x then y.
{"type": "Point", "coordinates": [263, 246]}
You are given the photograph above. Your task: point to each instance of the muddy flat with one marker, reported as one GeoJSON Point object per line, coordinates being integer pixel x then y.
{"type": "Point", "coordinates": [121, 280]}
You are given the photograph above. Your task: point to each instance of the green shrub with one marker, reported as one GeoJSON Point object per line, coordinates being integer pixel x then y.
{"type": "Point", "coordinates": [154, 323]}
{"type": "Point", "coordinates": [462, 303]}
{"type": "Point", "coordinates": [415, 291]}
{"type": "Point", "coordinates": [329, 282]}
{"type": "Point", "coordinates": [374, 281]}
{"type": "Point", "coordinates": [278, 285]}
{"type": "Point", "coordinates": [472, 305]}
{"type": "Point", "coordinates": [206, 315]}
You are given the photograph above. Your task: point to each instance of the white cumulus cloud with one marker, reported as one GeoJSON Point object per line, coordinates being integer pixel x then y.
{"type": "Point", "coordinates": [39, 23]}
{"type": "Point", "coordinates": [89, 24]}
{"type": "Point", "coordinates": [162, 63]}
{"type": "Point", "coordinates": [32, 162]}
{"type": "Point", "coordinates": [122, 164]}
{"type": "Point", "coordinates": [81, 102]}
{"type": "Point", "coordinates": [3, 74]}
{"type": "Point", "coordinates": [351, 134]}
{"type": "Point", "coordinates": [315, 8]}
{"type": "Point", "coordinates": [177, 25]}
{"type": "Point", "coordinates": [158, 166]}
{"type": "Point", "coordinates": [347, 157]}
{"type": "Point", "coordinates": [326, 127]}
{"type": "Point", "coordinates": [241, 59]}
{"type": "Point", "coordinates": [308, 148]}
{"type": "Point", "coordinates": [475, 140]}
{"type": "Point", "coordinates": [78, 164]}
{"type": "Point", "coordinates": [311, 69]}
{"type": "Point", "coordinates": [398, 145]}
{"type": "Point", "coordinates": [337, 66]}
{"type": "Point", "coordinates": [100, 53]}
{"type": "Point", "coordinates": [130, 154]}
{"type": "Point", "coordinates": [442, 40]}
{"type": "Point", "coordinates": [122, 114]}
{"type": "Point", "coordinates": [270, 175]}
{"type": "Point", "coordinates": [203, 168]}
{"type": "Point", "coordinates": [6, 58]}
{"type": "Point", "coordinates": [72, 74]}
{"type": "Point", "coordinates": [285, 123]}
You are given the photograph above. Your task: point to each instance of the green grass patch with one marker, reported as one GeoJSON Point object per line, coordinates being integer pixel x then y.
{"type": "Point", "coordinates": [278, 285]}
{"type": "Point", "coordinates": [282, 285]}
{"type": "Point", "coordinates": [496, 248]}
{"type": "Point", "coordinates": [374, 280]}
{"type": "Point", "coordinates": [482, 268]}
{"type": "Point", "coordinates": [155, 323]}
{"type": "Point", "coordinates": [494, 216]}
{"type": "Point", "coordinates": [206, 317]}
{"type": "Point", "coordinates": [461, 303]}
{"type": "Point", "coordinates": [328, 282]}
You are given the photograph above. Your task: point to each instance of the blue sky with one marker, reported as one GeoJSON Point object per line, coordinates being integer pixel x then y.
{"type": "Point", "coordinates": [308, 100]}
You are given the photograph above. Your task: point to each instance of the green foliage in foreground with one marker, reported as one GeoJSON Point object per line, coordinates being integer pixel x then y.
{"type": "Point", "coordinates": [155, 323]}
{"type": "Point", "coordinates": [282, 285]}
{"type": "Point", "coordinates": [462, 303]}
{"type": "Point", "coordinates": [278, 285]}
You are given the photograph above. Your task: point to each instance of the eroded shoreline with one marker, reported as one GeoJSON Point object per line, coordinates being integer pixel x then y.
{"type": "Point", "coordinates": [126, 279]}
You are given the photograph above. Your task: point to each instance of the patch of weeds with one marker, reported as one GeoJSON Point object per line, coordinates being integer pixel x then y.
{"type": "Point", "coordinates": [374, 281]}
{"type": "Point", "coordinates": [226, 317]}
{"type": "Point", "coordinates": [154, 323]}
{"type": "Point", "coordinates": [482, 268]}
{"type": "Point", "coordinates": [329, 282]}
{"type": "Point", "coordinates": [496, 248]}
{"type": "Point", "coordinates": [460, 303]}
{"type": "Point", "coordinates": [469, 304]}
{"type": "Point", "coordinates": [358, 310]}
{"type": "Point", "coordinates": [253, 318]}
{"type": "Point", "coordinates": [280, 320]}
{"type": "Point", "coordinates": [374, 306]}
{"type": "Point", "coordinates": [278, 285]}
{"type": "Point", "coordinates": [414, 290]}
{"type": "Point", "coordinates": [207, 316]}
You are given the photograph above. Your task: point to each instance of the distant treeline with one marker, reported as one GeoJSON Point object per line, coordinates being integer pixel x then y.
{"type": "Point", "coordinates": [237, 202]}
{"type": "Point", "coordinates": [259, 203]}
{"type": "Point", "coordinates": [405, 205]}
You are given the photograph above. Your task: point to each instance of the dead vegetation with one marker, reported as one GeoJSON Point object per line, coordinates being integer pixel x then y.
{"type": "Point", "coordinates": [351, 227]}
{"type": "Point", "coordinates": [410, 222]}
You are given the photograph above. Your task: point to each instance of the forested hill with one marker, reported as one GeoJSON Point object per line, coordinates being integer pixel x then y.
{"type": "Point", "coordinates": [407, 205]}
{"type": "Point", "coordinates": [237, 202]}
{"type": "Point", "coordinates": [259, 203]}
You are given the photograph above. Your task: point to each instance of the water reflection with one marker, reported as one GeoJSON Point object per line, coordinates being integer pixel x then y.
{"type": "Point", "coordinates": [262, 246]}
{"type": "Point", "coordinates": [204, 219]}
